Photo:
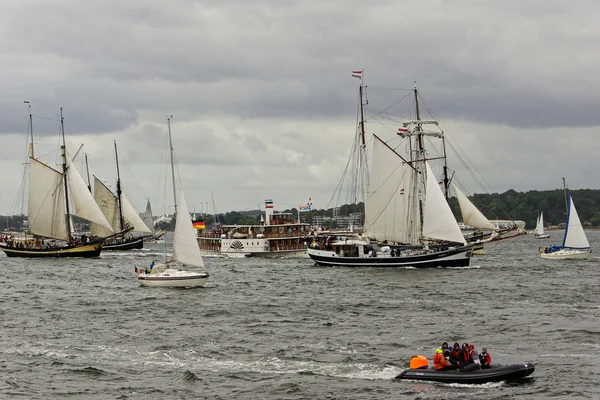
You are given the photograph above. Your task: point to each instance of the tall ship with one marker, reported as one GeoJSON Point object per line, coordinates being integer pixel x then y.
{"type": "Point", "coordinates": [278, 236]}
{"type": "Point", "coordinates": [408, 221]}
{"type": "Point", "coordinates": [54, 197]}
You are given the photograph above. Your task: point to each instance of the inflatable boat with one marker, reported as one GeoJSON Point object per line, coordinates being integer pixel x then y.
{"type": "Point", "coordinates": [494, 373]}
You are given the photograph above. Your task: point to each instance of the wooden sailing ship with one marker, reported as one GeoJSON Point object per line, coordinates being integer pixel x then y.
{"type": "Point", "coordinates": [50, 193]}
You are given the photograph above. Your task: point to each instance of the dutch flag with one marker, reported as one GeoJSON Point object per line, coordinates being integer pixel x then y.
{"type": "Point", "coordinates": [357, 74]}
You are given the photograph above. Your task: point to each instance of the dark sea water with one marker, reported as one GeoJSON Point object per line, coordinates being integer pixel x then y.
{"type": "Point", "coordinates": [286, 329]}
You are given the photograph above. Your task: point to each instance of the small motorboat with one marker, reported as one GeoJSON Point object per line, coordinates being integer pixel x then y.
{"type": "Point", "coordinates": [494, 373]}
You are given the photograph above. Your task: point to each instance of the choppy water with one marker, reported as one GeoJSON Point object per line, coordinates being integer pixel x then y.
{"type": "Point", "coordinates": [285, 329]}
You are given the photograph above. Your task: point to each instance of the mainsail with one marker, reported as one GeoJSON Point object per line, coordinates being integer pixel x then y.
{"type": "Point", "coordinates": [539, 228]}
{"type": "Point", "coordinates": [109, 205]}
{"type": "Point", "coordinates": [46, 202]}
{"type": "Point", "coordinates": [132, 216]}
{"type": "Point", "coordinates": [185, 246]}
{"type": "Point", "coordinates": [85, 205]}
{"type": "Point", "coordinates": [391, 204]}
{"type": "Point", "coordinates": [471, 215]}
{"type": "Point", "coordinates": [438, 220]}
{"type": "Point", "coordinates": [574, 234]}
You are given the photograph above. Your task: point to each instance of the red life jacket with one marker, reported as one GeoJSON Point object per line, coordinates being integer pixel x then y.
{"type": "Point", "coordinates": [466, 355]}
{"type": "Point", "coordinates": [486, 358]}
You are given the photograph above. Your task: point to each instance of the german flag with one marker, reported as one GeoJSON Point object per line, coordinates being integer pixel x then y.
{"type": "Point", "coordinates": [198, 224]}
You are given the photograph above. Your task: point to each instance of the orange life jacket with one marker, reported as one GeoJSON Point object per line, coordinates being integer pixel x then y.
{"type": "Point", "coordinates": [439, 362]}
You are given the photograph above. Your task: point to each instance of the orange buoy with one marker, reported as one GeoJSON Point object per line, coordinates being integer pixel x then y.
{"type": "Point", "coordinates": [417, 362]}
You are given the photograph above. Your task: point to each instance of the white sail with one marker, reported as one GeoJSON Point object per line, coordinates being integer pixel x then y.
{"type": "Point", "coordinates": [391, 204]}
{"type": "Point", "coordinates": [147, 217]}
{"type": "Point", "coordinates": [471, 215]}
{"type": "Point", "coordinates": [46, 202]}
{"type": "Point", "coordinates": [109, 205]}
{"type": "Point", "coordinates": [185, 246]}
{"type": "Point", "coordinates": [539, 228]}
{"type": "Point", "coordinates": [85, 205]}
{"type": "Point", "coordinates": [438, 220]}
{"type": "Point", "coordinates": [132, 216]}
{"type": "Point", "coordinates": [574, 234]}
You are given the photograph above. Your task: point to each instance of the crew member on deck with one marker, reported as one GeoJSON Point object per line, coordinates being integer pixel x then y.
{"type": "Point", "coordinates": [151, 266]}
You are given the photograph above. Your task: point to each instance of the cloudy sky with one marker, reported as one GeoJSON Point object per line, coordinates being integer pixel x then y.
{"type": "Point", "coordinates": [262, 98]}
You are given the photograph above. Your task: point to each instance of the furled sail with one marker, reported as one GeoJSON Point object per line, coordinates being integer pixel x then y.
{"type": "Point", "coordinates": [85, 205]}
{"type": "Point", "coordinates": [574, 234]}
{"type": "Point", "coordinates": [46, 202]}
{"type": "Point", "coordinates": [471, 215]}
{"type": "Point", "coordinates": [132, 216]}
{"type": "Point", "coordinates": [438, 220]}
{"type": "Point", "coordinates": [391, 204]}
{"type": "Point", "coordinates": [109, 205]}
{"type": "Point", "coordinates": [185, 246]}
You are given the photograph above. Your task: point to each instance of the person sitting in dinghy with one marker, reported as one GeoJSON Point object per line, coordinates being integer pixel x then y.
{"type": "Point", "coordinates": [465, 362]}
{"type": "Point", "coordinates": [439, 361]}
{"type": "Point", "coordinates": [485, 358]}
{"type": "Point", "coordinates": [455, 354]}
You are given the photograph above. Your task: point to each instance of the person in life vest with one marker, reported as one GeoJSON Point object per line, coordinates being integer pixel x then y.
{"type": "Point", "coordinates": [445, 350]}
{"type": "Point", "coordinates": [439, 361]}
{"type": "Point", "coordinates": [455, 353]}
{"type": "Point", "coordinates": [474, 354]}
{"type": "Point", "coordinates": [485, 358]}
{"type": "Point", "coordinates": [465, 362]}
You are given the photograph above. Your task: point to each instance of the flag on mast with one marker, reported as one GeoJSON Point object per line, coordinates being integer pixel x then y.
{"type": "Point", "coordinates": [357, 74]}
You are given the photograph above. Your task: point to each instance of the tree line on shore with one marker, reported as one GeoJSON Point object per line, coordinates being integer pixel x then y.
{"type": "Point", "coordinates": [511, 205]}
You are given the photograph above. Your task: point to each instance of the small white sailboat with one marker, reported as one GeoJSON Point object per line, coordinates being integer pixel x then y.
{"type": "Point", "coordinates": [575, 243]}
{"type": "Point", "coordinates": [539, 228]}
{"type": "Point", "coordinates": [185, 248]}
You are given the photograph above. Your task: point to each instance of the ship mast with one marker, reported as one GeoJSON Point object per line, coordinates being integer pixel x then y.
{"type": "Point", "coordinates": [172, 167]}
{"type": "Point", "coordinates": [63, 149]}
{"type": "Point", "coordinates": [87, 168]}
{"type": "Point", "coordinates": [119, 192]}
{"type": "Point", "coordinates": [362, 114]}
{"type": "Point", "coordinates": [565, 191]}
{"type": "Point", "coordinates": [30, 128]}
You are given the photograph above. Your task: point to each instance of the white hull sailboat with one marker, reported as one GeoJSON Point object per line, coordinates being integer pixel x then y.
{"type": "Point", "coordinates": [575, 243]}
{"type": "Point", "coordinates": [185, 247]}
{"type": "Point", "coordinates": [539, 228]}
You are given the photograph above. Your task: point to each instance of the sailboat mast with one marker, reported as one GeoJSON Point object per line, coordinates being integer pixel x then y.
{"type": "Point", "coordinates": [30, 128]}
{"type": "Point", "coordinates": [420, 135]}
{"type": "Point", "coordinates": [119, 192]}
{"type": "Point", "coordinates": [362, 113]}
{"type": "Point", "coordinates": [87, 169]}
{"type": "Point", "coordinates": [420, 157]}
{"type": "Point", "coordinates": [172, 167]}
{"type": "Point", "coordinates": [445, 168]}
{"type": "Point", "coordinates": [63, 149]}
{"type": "Point", "coordinates": [565, 191]}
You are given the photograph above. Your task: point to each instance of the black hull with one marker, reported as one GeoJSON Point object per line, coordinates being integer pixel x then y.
{"type": "Point", "coordinates": [457, 257]}
{"type": "Point", "coordinates": [485, 375]}
{"type": "Point", "coordinates": [84, 250]}
{"type": "Point", "coordinates": [137, 243]}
